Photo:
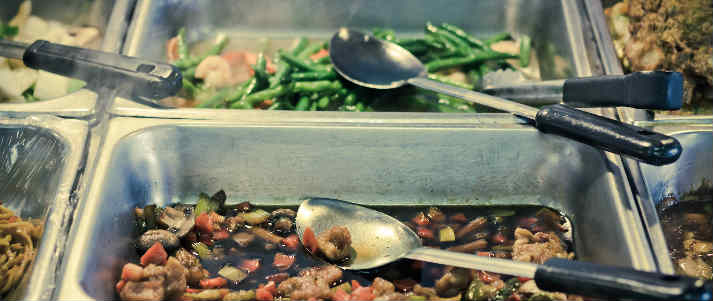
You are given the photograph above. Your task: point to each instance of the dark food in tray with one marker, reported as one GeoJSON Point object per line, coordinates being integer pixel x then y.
{"type": "Point", "coordinates": [215, 251]}
{"type": "Point", "coordinates": [18, 245]}
{"type": "Point", "coordinates": [688, 229]}
{"type": "Point", "coordinates": [302, 77]}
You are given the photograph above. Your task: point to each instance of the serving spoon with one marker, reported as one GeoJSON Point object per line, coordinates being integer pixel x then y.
{"type": "Point", "coordinates": [379, 239]}
{"type": "Point", "coordinates": [374, 63]}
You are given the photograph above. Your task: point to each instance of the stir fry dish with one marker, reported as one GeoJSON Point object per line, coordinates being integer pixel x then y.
{"type": "Point", "coordinates": [688, 229]}
{"type": "Point", "coordinates": [18, 245]}
{"type": "Point", "coordinates": [21, 84]}
{"type": "Point", "coordinates": [215, 251]}
{"type": "Point", "coordinates": [302, 78]}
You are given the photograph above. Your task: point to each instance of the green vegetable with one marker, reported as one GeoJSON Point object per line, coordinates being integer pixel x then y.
{"type": "Point", "coordinates": [241, 295]}
{"type": "Point", "coordinates": [479, 291]}
{"type": "Point", "coordinates": [232, 273]}
{"type": "Point", "coordinates": [207, 204]}
{"type": "Point", "coordinates": [303, 104]}
{"type": "Point", "coordinates": [311, 49]}
{"type": "Point", "coordinates": [260, 71]}
{"type": "Point", "coordinates": [417, 298]}
{"type": "Point", "coordinates": [203, 251]}
{"type": "Point", "coordinates": [346, 287]}
{"type": "Point", "coordinates": [299, 46]}
{"type": "Point", "coordinates": [280, 76]}
{"type": "Point", "coordinates": [460, 33]}
{"type": "Point", "coordinates": [446, 80]}
{"type": "Point", "coordinates": [194, 61]}
{"type": "Point", "coordinates": [216, 100]}
{"type": "Point", "coordinates": [190, 88]}
{"type": "Point", "coordinates": [266, 94]}
{"type": "Point", "coordinates": [525, 49]}
{"type": "Point", "coordinates": [204, 295]}
{"type": "Point", "coordinates": [7, 31]}
{"type": "Point", "coordinates": [323, 102]}
{"type": "Point", "coordinates": [29, 94]}
{"type": "Point", "coordinates": [446, 234]}
{"type": "Point", "coordinates": [256, 217]}
{"type": "Point", "coordinates": [182, 46]}
{"type": "Point", "coordinates": [460, 61]}
{"type": "Point", "coordinates": [299, 63]}
{"type": "Point", "coordinates": [459, 45]}
{"type": "Point", "coordinates": [511, 286]}
{"type": "Point", "coordinates": [497, 38]}
{"type": "Point", "coordinates": [316, 86]}
{"type": "Point", "coordinates": [321, 75]}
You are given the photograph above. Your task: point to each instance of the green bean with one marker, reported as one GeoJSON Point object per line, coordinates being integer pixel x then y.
{"type": "Point", "coordinates": [194, 61]}
{"type": "Point", "coordinates": [350, 99]}
{"type": "Point", "coordinates": [461, 34]}
{"type": "Point", "coordinates": [359, 107]}
{"type": "Point", "coordinates": [189, 87]}
{"type": "Point", "coordinates": [302, 76]}
{"type": "Point", "coordinates": [215, 100]}
{"type": "Point", "coordinates": [323, 102]}
{"type": "Point", "coordinates": [254, 98]}
{"type": "Point", "coordinates": [525, 49]}
{"type": "Point", "coordinates": [474, 77]}
{"type": "Point", "coordinates": [299, 63]}
{"type": "Point", "coordinates": [303, 104]}
{"type": "Point", "coordinates": [280, 76]}
{"type": "Point", "coordinates": [311, 49]}
{"type": "Point", "coordinates": [313, 107]}
{"type": "Point", "coordinates": [460, 46]}
{"type": "Point", "coordinates": [299, 46]}
{"type": "Point", "coordinates": [236, 98]}
{"type": "Point", "coordinates": [182, 46]}
{"type": "Point", "coordinates": [497, 38]}
{"type": "Point", "coordinates": [384, 34]}
{"type": "Point", "coordinates": [459, 61]}
{"type": "Point", "coordinates": [316, 86]}
{"type": "Point", "coordinates": [260, 71]}
{"type": "Point", "coordinates": [189, 73]}
{"type": "Point", "coordinates": [250, 88]}
{"type": "Point", "coordinates": [324, 60]}
{"type": "Point", "coordinates": [449, 81]}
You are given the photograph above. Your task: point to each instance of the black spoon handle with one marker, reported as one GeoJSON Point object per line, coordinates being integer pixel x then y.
{"type": "Point", "coordinates": [608, 134]}
{"type": "Point", "coordinates": [596, 280]}
{"type": "Point", "coordinates": [143, 78]}
{"type": "Point", "coordinates": [652, 90]}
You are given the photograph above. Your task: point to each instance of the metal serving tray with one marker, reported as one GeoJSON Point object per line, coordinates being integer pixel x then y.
{"type": "Point", "coordinates": [556, 27]}
{"type": "Point", "coordinates": [655, 182]}
{"type": "Point", "coordinates": [385, 159]}
{"type": "Point", "coordinates": [109, 16]}
{"type": "Point", "coordinates": [40, 158]}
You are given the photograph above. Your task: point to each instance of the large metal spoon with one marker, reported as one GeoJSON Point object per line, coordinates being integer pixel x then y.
{"type": "Point", "coordinates": [379, 239]}
{"type": "Point", "coordinates": [373, 63]}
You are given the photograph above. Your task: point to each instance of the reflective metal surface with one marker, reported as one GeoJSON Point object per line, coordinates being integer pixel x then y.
{"type": "Point", "coordinates": [557, 26]}
{"type": "Point", "coordinates": [39, 160]}
{"type": "Point", "coordinates": [106, 15]}
{"type": "Point", "coordinates": [385, 159]}
{"type": "Point", "coordinates": [687, 174]}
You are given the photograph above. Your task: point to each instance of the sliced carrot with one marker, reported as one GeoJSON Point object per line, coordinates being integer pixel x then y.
{"type": "Point", "coordinates": [310, 240]}
{"type": "Point", "coordinates": [483, 253]}
{"type": "Point", "coordinates": [156, 255]}
{"type": "Point", "coordinates": [132, 272]}
{"type": "Point", "coordinates": [277, 277]}
{"type": "Point", "coordinates": [291, 242]}
{"type": "Point", "coordinates": [204, 223]}
{"type": "Point", "coordinates": [221, 235]}
{"type": "Point", "coordinates": [270, 287]}
{"type": "Point", "coordinates": [355, 284]}
{"type": "Point", "coordinates": [362, 293]}
{"type": "Point", "coordinates": [216, 282]}
{"type": "Point", "coordinates": [458, 218]}
{"type": "Point", "coordinates": [319, 54]}
{"type": "Point", "coordinates": [120, 286]}
{"type": "Point", "coordinates": [192, 290]}
{"type": "Point", "coordinates": [283, 262]}
{"type": "Point", "coordinates": [263, 294]}
{"type": "Point", "coordinates": [523, 279]}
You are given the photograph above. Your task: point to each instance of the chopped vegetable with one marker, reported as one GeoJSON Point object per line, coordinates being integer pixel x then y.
{"type": "Point", "coordinates": [446, 234]}
{"type": "Point", "coordinates": [203, 251]}
{"type": "Point", "coordinates": [310, 240]}
{"type": "Point", "coordinates": [283, 262]}
{"type": "Point", "coordinates": [204, 295]}
{"type": "Point", "coordinates": [344, 287]}
{"type": "Point", "coordinates": [156, 255]}
{"type": "Point", "coordinates": [207, 204]}
{"type": "Point", "coordinates": [291, 242]}
{"type": "Point", "coordinates": [232, 273]}
{"type": "Point", "coordinates": [256, 217]}
{"type": "Point", "coordinates": [241, 295]}
{"type": "Point", "coordinates": [216, 282]}
{"type": "Point", "coordinates": [204, 223]}
{"type": "Point", "coordinates": [250, 265]}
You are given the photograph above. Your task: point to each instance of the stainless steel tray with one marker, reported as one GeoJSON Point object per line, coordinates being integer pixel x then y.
{"type": "Point", "coordinates": [557, 27]}
{"type": "Point", "coordinates": [109, 16]}
{"type": "Point", "coordinates": [387, 159]}
{"type": "Point", "coordinates": [655, 182]}
{"type": "Point", "coordinates": [40, 158]}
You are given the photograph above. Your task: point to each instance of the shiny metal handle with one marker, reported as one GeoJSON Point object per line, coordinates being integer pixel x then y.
{"type": "Point", "coordinates": [475, 97]}
{"type": "Point", "coordinates": [470, 261]}
{"type": "Point", "coordinates": [534, 94]}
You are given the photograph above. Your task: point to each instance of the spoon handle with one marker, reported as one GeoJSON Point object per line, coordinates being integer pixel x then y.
{"type": "Point", "coordinates": [470, 261]}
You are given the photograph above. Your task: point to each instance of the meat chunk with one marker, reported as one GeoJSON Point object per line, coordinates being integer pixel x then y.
{"type": "Point", "coordinates": [156, 282]}
{"type": "Point", "coordinates": [335, 243]}
{"type": "Point", "coordinates": [531, 290]}
{"type": "Point", "coordinates": [453, 282]}
{"type": "Point", "coordinates": [695, 267]}
{"type": "Point", "coordinates": [385, 290]}
{"type": "Point", "coordinates": [310, 283]}
{"type": "Point", "coordinates": [168, 240]}
{"type": "Point", "coordinates": [194, 270]}
{"type": "Point", "coordinates": [538, 247]}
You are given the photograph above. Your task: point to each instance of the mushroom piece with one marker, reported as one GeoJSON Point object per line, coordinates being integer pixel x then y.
{"type": "Point", "coordinates": [168, 240]}
{"type": "Point", "coordinates": [452, 282]}
{"type": "Point", "coordinates": [177, 221]}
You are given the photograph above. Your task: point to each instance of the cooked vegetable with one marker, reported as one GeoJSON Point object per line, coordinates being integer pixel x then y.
{"type": "Point", "coordinates": [446, 234]}
{"type": "Point", "coordinates": [167, 239]}
{"type": "Point", "coordinates": [207, 204]}
{"type": "Point", "coordinates": [256, 217]}
{"type": "Point", "coordinates": [232, 273]}
{"type": "Point", "coordinates": [156, 255]}
{"type": "Point", "coordinates": [202, 250]}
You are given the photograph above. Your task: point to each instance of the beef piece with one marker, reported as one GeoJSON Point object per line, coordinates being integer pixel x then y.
{"type": "Point", "coordinates": [243, 239]}
{"type": "Point", "coordinates": [537, 248]}
{"type": "Point", "coordinates": [695, 267]}
{"type": "Point", "coordinates": [335, 243]}
{"type": "Point", "coordinates": [175, 282]}
{"type": "Point", "coordinates": [310, 283]}
{"type": "Point", "coordinates": [453, 282]}
{"type": "Point", "coordinates": [385, 290]}
{"type": "Point", "coordinates": [157, 282]}
{"type": "Point", "coordinates": [168, 240]}
{"type": "Point", "coordinates": [195, 272]}
{"type": "Point", "coordinates": [143, 290]}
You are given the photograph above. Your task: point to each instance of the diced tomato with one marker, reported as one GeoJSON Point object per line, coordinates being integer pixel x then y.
{"type": "Point", "coordinates": [487, 277]}
{"type": "Point", "coordinates": [362, 293]}
{"type": "Point", "coordinates": [204, 223]}
{"type": "Point", "coordinates": [291, 242]}
{"type": "Point", "coordinates": [355, 284]}
{"type": "Point", "coordinates": [216, 282]}
{"type": "Point", "coordinates": [515, 297]}
{"type": "Point", "coordinates": [523, 279]}
{"type": "Point", "coordinates": [319, 54]}
{"type": "Point", "coordinates": [132, 272]}
{"type": "Point", "coordinates": [283, 262]}
{"type": "Point", "coordinates": [270, 287]}
{"type": "Point", "coordinates": [192, 290]}
{"type": "Point", "coordinates": [498, 238]}
{"type": "Point", "coordinates": [250, 265]}
{"type": "Point", "coordinates": [425, 233]}
{"type": "Point", "coordinates": [310, 240]}
{"type": "Point", "coordinates": [483, 253]}
{"type": "Point", "coordinates": [156, 255]}
{"type": "Point", "coordinates": [221, 235]}
{"type": "Point", "coordinates": [458, 218]}
{"type": "Point", "coordinates": [277, 277]}
{"type": "Point", "coordinates": [120, 286]}
{"type": "Point", "coordinates": [263, 294]}
{"type": "Point", "coordinates": [421, 219]}
{"type": "Point", "coordinates": [340, 295]}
